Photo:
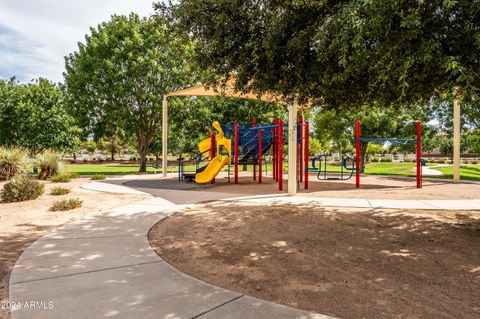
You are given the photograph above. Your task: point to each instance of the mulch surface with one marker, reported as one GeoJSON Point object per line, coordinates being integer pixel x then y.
{"type": "Point", "coordinates": [351, 263]}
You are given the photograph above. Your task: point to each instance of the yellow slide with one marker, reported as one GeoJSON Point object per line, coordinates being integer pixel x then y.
{"type": "Point", "coordinates": [219, 161]}
{"type": "Point", "coordinates": [204, 146]}
{"type": "Point", "coordinates": [213, 168]}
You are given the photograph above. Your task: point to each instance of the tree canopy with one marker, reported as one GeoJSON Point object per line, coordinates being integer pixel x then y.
{"type": "Point", "coordinates": [118, 77]}
{"type": "Point", "coordinates": [35, 116]}
{"type": "Point", "coordinates": [390, 51]}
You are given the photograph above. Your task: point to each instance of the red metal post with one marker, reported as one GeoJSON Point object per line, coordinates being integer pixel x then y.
{"type": "Point", "coordinates": [260, 154]}
{"type": "Point", "coordinates": [280, 155]}
{"type": "Point", "coordinates": [301, 148]}
{"type": "Point", "coordinates": [357, 153]}
{"type": "Point", "coordinates": [307, 136]}
{"type": "Point", "coordinates": [419, 154]}
{"type": "Point", "coordinates": [235, 150]}
{"type": "Point", "coordinates": [254, 123]}
{"type": "Point", "coordinates": [274, 150]}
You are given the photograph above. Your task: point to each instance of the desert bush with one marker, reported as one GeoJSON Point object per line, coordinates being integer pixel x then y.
{"type": "Point", "coordinates": [49, 164]}
{"type": "Point", "coordinates": [97, 177]}
{"type": "Point", "coordinates": [21, 188]}
{"type": "Point", "coordinates": [60, 178]}
{"type": "Point", "coordinates": [59, 191]}
{"type": "Point", "coordinates": [66, 204]}
{"type": "Point", "coordinates": [13, 161]}
{"type": "Point", "coordinates": [73, 175]}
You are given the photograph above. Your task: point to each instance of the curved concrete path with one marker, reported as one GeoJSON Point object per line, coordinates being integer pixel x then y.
{"type": "Point", "coordinates": [103, 267]}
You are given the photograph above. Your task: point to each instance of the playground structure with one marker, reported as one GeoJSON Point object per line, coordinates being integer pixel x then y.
{"type": "Point", "coordinates": [251, 143]}
{"type": "Point", "coordinates": [418, 141]}
{"type": "Point", "coordinates": [228, 90]}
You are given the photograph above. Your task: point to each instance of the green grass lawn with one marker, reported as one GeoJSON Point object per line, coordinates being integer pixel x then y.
{"type": "Point", "coordinates": [406, 169]}
{"type": "Point", "coordinates": [376, 168]}
{"type": "Point", "coordinates": [107, 169]}
{"type": "Point", "coordinates": [466, 172]}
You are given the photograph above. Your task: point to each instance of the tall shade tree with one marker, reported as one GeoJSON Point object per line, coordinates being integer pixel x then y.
{"type": "Point", "coordinates": [118, 77]}
{"type": "Point", "coordinates": [35, 116]}
{"type": "Point", "coordinates": [339, 53]}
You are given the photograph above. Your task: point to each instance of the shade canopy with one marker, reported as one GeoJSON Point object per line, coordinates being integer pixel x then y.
{"type": "Point", "coordinates": [228, 90]}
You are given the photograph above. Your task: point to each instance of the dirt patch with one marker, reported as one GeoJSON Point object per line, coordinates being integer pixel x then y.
{"type": "Point", "coordinates": [22, 223]}
{"type": "Point", "coordinates": [351, 263]}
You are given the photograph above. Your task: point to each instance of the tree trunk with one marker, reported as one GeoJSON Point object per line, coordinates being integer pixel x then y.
{"type": "Point", "coordinates": [142, 152]}
{"type": "Point", "coordinates": [113, 155]}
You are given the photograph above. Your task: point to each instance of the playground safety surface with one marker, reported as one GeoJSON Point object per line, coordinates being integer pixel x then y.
{"type": "Point", "coordinates": [373, 187]}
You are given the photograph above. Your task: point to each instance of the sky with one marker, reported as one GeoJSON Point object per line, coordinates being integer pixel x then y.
{"type": "Point", "coordinates": [36, 35]}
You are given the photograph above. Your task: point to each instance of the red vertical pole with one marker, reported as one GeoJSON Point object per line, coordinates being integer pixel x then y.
{"type": "Point", "coordinates": [254, 123]}
{"type": "Point", "coordinates": [419, 154]}
{"type": "Point", "coordinates": [307, 136]}
{"type": "Point", "coordinates": [357, 153]}
{"type": "Point", "coordinates": [280, 155]}
{"type": "Point", "coordinates": [212, 150]}
{"type": "Point", "coordinates": [235, 150]}
{"type": "Point", "coordinates": [260, 155]}
{"type": "Point", "coordinates": [301, 148]}
{"type": "Point", "coordinates": [274, 150]}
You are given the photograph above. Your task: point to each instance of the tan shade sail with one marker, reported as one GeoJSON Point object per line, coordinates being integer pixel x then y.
{"type": "Point", "coordinates": [228, 90]}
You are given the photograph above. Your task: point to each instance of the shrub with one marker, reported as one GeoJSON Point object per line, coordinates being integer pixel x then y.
{"type": "Point", "coordinates": [73, 175]}
{"type": "Point", "coordinates": [66, 204]}
{"type": "Point", "coordinates": [97, 177]}
{"type": "Point", "coordinates": [59, 191]}
{"type": "Point", "coordinates": [60, 178]}
{"type": "Point", "coordinates": [13, 161]}
{"type": "Point", "coordinates": [49, 164]}
{"type": "Point", "coordinates": [440, 161]}
{"type": "Point", "coordinates": [21, 188]}
{"type": "Point", "coordinates": [474, 162]}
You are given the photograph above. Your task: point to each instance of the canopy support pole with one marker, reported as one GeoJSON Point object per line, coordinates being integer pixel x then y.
{"type": "Point", "coordinates": [164, 136]}
{"type": "Point", "coordinates": [292, 149]}
{"type": "Point", "coordinates": [456, 139]}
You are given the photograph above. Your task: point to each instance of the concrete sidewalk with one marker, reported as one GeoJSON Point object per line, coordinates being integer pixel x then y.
{"type": "Point", "coordinates": [466, 204]}
{"type": "Point", "coordinates": [103, 267]}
